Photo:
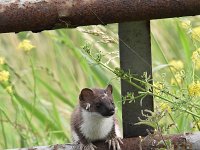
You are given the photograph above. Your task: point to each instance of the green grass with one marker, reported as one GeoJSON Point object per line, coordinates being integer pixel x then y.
{"type": "Point", "coordinates": [48, 80]}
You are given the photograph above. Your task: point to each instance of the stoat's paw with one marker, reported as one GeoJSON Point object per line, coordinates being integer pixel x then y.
{"type": "Point", "coordinates": [114, 143]}
{"type": "Point", "coordinates": [89, 146]}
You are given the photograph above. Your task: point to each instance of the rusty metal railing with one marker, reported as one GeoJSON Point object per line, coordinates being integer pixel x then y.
{"type": "Point", "coordinates": [38, 15]}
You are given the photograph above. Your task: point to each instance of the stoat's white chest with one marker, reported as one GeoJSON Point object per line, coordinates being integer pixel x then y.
{"type": "Point", "coordinates": [94, 126]}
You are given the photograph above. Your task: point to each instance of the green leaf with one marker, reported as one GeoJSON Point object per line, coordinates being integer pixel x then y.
{"type": "Point", "coordinates": [159, 67]}
{"type": "Point", "coordinates": [55, 92]}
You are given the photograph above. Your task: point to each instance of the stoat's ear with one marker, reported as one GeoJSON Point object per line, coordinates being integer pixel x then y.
{"type": "Point", "coordinates": [86, 94]}
{"type": "Point", "coordinates": [109, 89]}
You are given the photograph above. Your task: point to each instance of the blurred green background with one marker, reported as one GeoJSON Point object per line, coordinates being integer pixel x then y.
{"type": "Point", "coordinates": [47, 80]}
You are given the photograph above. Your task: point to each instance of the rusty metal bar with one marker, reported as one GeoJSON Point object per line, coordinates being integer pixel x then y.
{"type": "Point", "coordinates": [154, 141]}
{"type": "Point", "coordinates": [135, 57]}
{"type": "Point", "coordinates": [38, 15]}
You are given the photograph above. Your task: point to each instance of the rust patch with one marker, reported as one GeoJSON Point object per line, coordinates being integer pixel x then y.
{"type": "Point", "coordinates": [64, 7]}
{"type": "Point", "coordinates": [25, 15]}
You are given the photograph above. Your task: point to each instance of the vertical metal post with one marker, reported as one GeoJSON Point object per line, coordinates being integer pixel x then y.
{"type": "Point", "coordinates": [135, 56]}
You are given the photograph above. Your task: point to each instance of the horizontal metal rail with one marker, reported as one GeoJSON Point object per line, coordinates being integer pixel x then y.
{"type": "Point", "coordinates": [38, 15]}
{"type": "Point", "coordinates": [181, 141]}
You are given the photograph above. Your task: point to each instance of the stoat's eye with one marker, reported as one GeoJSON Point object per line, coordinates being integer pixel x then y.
{"type": "Point", "coordinates": [98, 105]}
{"type": "Point", "coordinates": [112, 102]}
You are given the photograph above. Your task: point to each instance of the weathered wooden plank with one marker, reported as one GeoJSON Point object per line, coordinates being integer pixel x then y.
{"type": "Point", "coordinates": [38, 15]}
{"type": "Point", "coordinates": [135, 57]}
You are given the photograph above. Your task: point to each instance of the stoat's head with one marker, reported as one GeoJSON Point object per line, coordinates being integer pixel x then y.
{"type": "Point", "coordinates": [98, 100]}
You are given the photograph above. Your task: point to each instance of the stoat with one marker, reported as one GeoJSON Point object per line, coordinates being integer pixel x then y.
{"type": "Point", "coordinates": [94, 119]}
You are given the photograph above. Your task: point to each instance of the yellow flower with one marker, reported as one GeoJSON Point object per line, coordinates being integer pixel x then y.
{"type": "Point", "coordinates": [4, 75]}
{"type": "Point", "coordinates": [2, 60]}
{"type": "Point", "coordinates": [165, 107]}
{"type": "Point", "coordinates": [9, 89]}
{"type": "Point", "coordinates": [196, 58]}
{"type": "Point", "coordinates": [194, 89]}
{"type": "Point", "coordinates": [26, 45]}
{"type": "Point", "coordinates": [176, 65]}
{"type": "Point", "coordinates": [196, 33]}
{"type": "Point", "coordinates": [158, 87]}
{"type": "Point", "coordinates": [186, 24]}
{"type": "Point", "coordinates": [197, 66]}
{"type": "Point", "coordinates": [196, 55]}
{"type": "Point", "coordinates": [178, 78]}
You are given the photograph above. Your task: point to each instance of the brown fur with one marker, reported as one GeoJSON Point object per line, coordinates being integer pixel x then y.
{"type": "Point", "coordinates": [94, 97]}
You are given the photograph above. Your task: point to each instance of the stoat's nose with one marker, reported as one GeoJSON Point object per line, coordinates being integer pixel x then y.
{"type": "Point", "coordinates": [112, 111]}
{"type": "Point", "coordinates": [109, 112]}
